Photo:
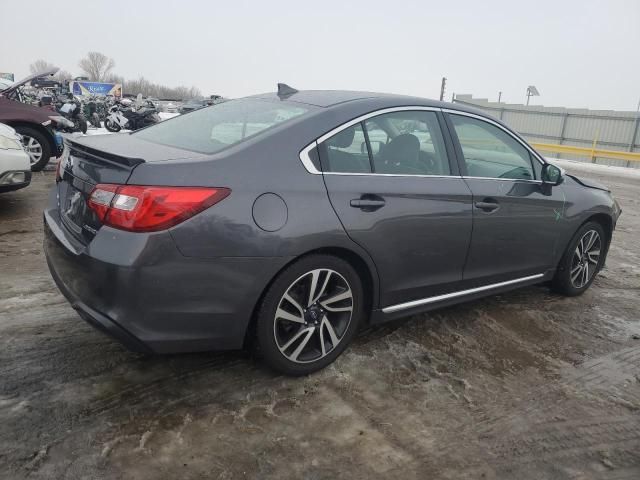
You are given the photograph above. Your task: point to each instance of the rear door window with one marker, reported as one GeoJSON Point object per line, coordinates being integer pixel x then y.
{"type": "Point", "coordinates": [396, 143]}
{"type": "Point", "coordinates": [407, 143]}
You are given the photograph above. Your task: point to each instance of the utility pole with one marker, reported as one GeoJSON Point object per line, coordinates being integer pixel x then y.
{"type": "Point", "coordinates": [442, 87]}
{"type": "Point", "coordinates": [532, 92]}
{"type": "Point", "coordinates": [499, 96]}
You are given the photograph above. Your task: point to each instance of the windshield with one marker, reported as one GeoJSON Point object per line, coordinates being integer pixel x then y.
{"type": "Point", "coordinates": [215, 128]}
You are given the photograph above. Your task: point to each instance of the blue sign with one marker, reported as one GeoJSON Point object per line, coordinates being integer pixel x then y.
{"type": "Point", "coordinates": [96, 88]}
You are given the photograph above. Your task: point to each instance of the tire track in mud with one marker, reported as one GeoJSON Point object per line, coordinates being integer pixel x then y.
{"type": "Point", "coordinates": [596, 376]}
{"type": "Point", "coordinates": [552, 427]}
{"type": "Point", "coordinates": [553, 440]}
{"type": "Point", "coordinates": [137, 393]}
{"type": "Point", "coordinates": [168, 386]}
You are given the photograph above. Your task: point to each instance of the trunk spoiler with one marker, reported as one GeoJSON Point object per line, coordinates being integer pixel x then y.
{"type": "Point", "coordinates": [110, 157]}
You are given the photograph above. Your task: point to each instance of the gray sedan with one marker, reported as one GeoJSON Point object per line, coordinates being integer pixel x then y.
{"type": "Point", "coordinates": [287, 221]}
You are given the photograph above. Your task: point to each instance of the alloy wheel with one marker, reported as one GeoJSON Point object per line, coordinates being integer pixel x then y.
{"type": "Point", "coordinates": [33, 148]}
{"type": "Point", "coordinates": [585, 259]}
{"type": "Point", "coordinates": [313, 316]}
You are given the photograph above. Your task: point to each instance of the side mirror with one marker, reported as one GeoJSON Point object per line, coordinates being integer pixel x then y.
{"type": "Point", "coordinates": [552, 175]}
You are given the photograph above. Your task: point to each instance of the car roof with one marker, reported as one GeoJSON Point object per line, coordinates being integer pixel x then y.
{"type": "Point", "coordinates": [329, 98]}
{"type": "Point", "coordinates": [333, 98]}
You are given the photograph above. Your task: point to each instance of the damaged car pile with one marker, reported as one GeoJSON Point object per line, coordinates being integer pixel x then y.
{"type": "Point", "coordinates": [38, 126]}
{"type": "Point", "coordinates": [39, 109]}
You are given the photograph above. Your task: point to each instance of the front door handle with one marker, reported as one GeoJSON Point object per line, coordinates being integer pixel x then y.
{"type": "Point", "coordinates": [487, 206]}
{"type": "Point", "coordinates": [368, 203]}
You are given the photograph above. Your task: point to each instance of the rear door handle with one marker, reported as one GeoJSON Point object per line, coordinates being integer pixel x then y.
{"type": "Point", "coordinates": [487, 206]}
{"type": "Point", "coordinates": [368, 203]}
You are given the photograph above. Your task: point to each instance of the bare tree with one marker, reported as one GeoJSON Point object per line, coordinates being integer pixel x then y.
{"type": "Point", "coordinates": [63, 75]}
{"type": "Point", "coordinates": [97, 65]}
{"type": "Point", "coordinates": [150, 89]}
{"type": "Point", "coordinates": [40, 66]}
{"type": "Point", "coordinates": [113, 78]}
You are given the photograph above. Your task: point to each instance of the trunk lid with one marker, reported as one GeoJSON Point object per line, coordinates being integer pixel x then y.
{"type": "Point", "coordinates": [89, 161]}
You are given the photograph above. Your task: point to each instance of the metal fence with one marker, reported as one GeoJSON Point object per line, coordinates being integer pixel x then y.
{"type": "Point", "coordinates": [596, 133]}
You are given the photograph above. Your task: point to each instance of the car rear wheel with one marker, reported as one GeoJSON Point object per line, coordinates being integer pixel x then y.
{"type": "Point", "coordinates": [36, 146]}
{"type": "Point", "coordinates": [309, 314]}
{"type": "Point", "coordinates": [581, 261]}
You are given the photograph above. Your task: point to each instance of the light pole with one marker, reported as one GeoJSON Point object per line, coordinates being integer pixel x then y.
{"type": "Point", "coordinates": [499, 96]}
{"type": "Point", "coordinates": [532, 92]}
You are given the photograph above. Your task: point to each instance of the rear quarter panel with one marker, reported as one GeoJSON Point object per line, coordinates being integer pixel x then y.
{"type": "Point", "coordinates": [269, 164]}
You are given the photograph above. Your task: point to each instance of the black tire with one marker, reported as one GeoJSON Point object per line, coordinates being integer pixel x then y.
{"type": "Point", "coordinates": [95, 120]}
{"type": "Point", "coordinates": [562, 281]}
{"type": "Point", "coordinates": [111, 126]}
{"type": "Point", "coordinates": [28, 134]}
{"type": "Point", "coordinates": [82, 125]}
{"type": "Point", "coordinates": [269, 325]}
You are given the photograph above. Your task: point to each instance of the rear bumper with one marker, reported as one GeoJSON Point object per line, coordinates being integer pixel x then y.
{"type": "Point", "coordinates": [98, 320]}
{"type": "Point", "coordinates": [140, 290]}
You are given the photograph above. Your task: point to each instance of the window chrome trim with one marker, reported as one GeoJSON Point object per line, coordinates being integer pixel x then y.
{"type": "Point", "coordinates": [366, 116]}
{"type": "Point", "coordinates": [447, 296]}
{"type": "Point", "coordinates": [311, 168]}
{"type": "Point", "coordinates": [306, 159]}
{"type": "Point", "coordinates": [504, 129]}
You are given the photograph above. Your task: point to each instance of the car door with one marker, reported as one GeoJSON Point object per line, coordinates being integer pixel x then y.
{"type": "Point", "coordinates": [391, 183]}
{"type": "Point", "coordinates": [515, 217]}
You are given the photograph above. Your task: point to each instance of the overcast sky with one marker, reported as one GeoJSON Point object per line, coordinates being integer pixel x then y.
{"type": "Point", "coordinates": [579, 53]}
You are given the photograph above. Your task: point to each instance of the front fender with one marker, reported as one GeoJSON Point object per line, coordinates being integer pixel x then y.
{"type": "Point", "coordinates": [583, 203]}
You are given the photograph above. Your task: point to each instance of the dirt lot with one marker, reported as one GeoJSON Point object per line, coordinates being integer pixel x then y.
{"type": "Point", "coordinates": [526, 385]}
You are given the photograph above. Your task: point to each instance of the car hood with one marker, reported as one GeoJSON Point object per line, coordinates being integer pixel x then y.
{"type": "Point", "coordinates": [587, 182]}
{"type": "Point", "coordinates": [11, 110]}
{"type": "Point", "coordinates": [26, 80]}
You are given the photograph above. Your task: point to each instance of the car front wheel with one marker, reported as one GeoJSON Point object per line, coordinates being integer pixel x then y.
{"type": "Point", "coordinates": [581, 261]}
{"type": "Point", "coordinates": [309, 314]}
{"type": "Point", "coordinates": [36, 146]}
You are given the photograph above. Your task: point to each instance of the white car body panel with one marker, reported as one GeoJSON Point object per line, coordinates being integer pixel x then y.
{"type": "Point", "coordinates": [12, 159]}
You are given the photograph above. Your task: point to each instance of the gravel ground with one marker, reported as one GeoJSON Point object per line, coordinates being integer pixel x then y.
{"type": "Point", "coordinates": [524, 385]}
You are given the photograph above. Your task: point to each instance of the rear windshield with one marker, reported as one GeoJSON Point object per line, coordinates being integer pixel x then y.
{"type": "Point", "coordinates": [215, 128]}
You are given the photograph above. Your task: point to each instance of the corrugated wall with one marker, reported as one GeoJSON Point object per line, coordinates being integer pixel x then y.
{"type": "Point", "coordinates": [611, 130]}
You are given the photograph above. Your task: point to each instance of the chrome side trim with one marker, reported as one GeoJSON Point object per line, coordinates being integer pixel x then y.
{"type": "Point", "coordinates": [458, 177]}
{"type": "Point", "coordinates": [306, 160]}
{"type": "Point", "coordinates": [505, 179]}
{"type": "Point", "coordinates": [488, 120]}
{"type": "Point", "coordinates": [446, 296]}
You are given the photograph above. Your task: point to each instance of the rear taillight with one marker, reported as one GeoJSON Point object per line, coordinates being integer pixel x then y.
{"type": "Point", "coordinates": [139, 208]}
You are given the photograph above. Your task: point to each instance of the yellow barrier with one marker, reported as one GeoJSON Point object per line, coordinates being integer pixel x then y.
{"type": "Point", "coordinates": [587, 152]}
